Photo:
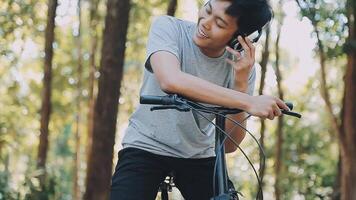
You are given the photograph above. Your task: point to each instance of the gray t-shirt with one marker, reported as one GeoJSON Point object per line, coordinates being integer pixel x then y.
{"type": "Point", "coordinates": [170, 132]}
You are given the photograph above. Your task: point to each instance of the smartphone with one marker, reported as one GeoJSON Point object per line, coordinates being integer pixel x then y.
{"type": "Point", "coordinates": [254, 37]}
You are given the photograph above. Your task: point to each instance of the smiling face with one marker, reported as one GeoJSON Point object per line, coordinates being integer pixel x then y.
{"type": "Point", "coordinates": [215, 28]}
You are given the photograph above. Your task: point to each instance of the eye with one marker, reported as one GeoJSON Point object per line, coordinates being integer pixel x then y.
{"type": "Point", "coordinates": [219, 24]}
{"type": "Point", "coordinates": [207, 10]}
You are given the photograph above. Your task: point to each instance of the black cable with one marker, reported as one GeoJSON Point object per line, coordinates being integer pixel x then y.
{"type": "Point", "coordinates": [213, 110]}
{"type": "Point", "coordinates": [232, 120]}
{"type": "Point", "coordinates": [232, 140]}
{"type": "Point", "coordinates": [238, 124]}
{"type": "Point", "coordinates": [217, 156]}
{"type": "Point", "coordinates": [228, 136]}
{"type": "Point", "coordinates": [260, 192]}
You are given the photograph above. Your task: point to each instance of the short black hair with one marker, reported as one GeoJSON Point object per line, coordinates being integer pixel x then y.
{"type": "Point", "coordinates": [251, 15]}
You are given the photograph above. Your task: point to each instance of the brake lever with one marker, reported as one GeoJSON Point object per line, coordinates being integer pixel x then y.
{"type": "Point", "coordinates": [290, 113]}
{"type": "Point", "coordinates": [180, 108]}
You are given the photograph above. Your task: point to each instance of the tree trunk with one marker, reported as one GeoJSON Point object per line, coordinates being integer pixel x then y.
{"type": "Point", "coordinates": [348, 135]}
{"type": "Point", "coordinates": [94, 18]}
{"type": "Point", "coordinates": [106, 107]}
{"type": "Point", "coordinates": [47, 81]}
{"type": "Point", "coordinates": [172, 7]}
{"type": "Point", "coordinates": [76, 188]}
{"type": "Point", "coordinates": [323, 85]}
{"type": "Point", "coordinates": [336, 195]}
{"type": "Point", "coordinates": [263, 63]}
{"type": "Point", "coordinates": [280, 140]}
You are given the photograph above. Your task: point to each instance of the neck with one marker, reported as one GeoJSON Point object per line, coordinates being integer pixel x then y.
{"type": "Point", "coordinates": [212, 53]}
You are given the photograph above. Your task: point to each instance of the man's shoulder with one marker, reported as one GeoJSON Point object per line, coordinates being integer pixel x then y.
{"type": "Point", "coordinates": [164, 17]}
{"type": "Point", "coordinates": [170, 20]}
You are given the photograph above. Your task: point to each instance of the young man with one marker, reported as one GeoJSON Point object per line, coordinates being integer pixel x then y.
{"type": "Point", "coordinates": [192, 60]}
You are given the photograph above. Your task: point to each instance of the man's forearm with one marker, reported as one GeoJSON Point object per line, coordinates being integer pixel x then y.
{"type": "Point", "coordinates": [236, 132]}
{"type": "Point", "coordinates": [172, 80]}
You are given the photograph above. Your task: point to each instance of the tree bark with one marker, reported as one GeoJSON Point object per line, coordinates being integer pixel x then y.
{"type": "Point", "coordinates": [106, 107]}
{"type": "Point", "coordinates": [94, 18]}
{"type": "Point", "coordinates": [280, 139]}
{"type": "Point", "coordinates": [263, 63]}
{"type": "Point", "coordinates": [172, 7]}
{"type": "Point", "coordinates": [47, 82]}
{"type": "Point", "coordinates": [323, 85]}
{"type": "Point", "coordinates": [336, 195]}
{"type": "Point", "coordinates": [348, 134]}
{"type": "Point", "coordinates": [76, 188]}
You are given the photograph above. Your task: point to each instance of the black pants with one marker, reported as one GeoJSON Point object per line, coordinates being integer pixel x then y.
{"type": "Point", "coordinates": [138, 174]}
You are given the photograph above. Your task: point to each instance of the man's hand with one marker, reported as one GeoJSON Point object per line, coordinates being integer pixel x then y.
{"type": "Point", "coordinates": [244, 62]}
{"type": "Point", "coordinates": [266, 106]}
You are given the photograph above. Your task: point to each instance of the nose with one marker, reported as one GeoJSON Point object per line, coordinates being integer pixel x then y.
{"type": "Point", "coordinates": [206, 22]}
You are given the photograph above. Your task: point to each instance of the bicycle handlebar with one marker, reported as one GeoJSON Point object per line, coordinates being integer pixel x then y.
{"type": "Point", "coordinates": [158, 100]}
{"type": "Point", "coordinates": [176, 102]}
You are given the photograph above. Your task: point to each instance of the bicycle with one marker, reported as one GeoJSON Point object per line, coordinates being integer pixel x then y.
{"type": "Point", "coordinates": [223, 188]}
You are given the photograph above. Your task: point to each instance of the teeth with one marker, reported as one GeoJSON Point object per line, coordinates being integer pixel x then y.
{"type": "Point", "coordinates": [202, 33]}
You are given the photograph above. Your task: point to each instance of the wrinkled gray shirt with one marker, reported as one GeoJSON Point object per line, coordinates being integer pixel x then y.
{"type": "Point", "coordinates": [170, 132]}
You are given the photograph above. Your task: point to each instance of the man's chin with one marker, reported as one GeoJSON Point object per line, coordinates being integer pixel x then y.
{"type": "Point", "coordinates": [199, 42]}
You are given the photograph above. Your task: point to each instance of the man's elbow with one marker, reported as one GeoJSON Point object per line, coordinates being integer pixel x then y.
{"type": "Point", "coordinates": [169, 85]}
{"type": "Point", "coordinates": [230, 149]}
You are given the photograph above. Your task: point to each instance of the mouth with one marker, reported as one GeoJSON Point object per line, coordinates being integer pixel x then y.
{"type": "Point", "coordinates": [201, 34]}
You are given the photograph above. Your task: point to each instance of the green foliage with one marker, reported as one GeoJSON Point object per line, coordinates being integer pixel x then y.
{"type": "Point", "coordinates": [6, 192]}
{"type": "Point", "coordinates": [52, 189]}
{"type": "Point", "coordinates": [141, 14]}
{"type": "Point", "coordinates": [309, 153]}
{"type": "Point", "coordinates": [21, 73]}
{"type": "Point", "coordinates": [62, 148]}
{"type": "Point", "coordinates": [329, 18]}
{"type": "Point", "coordinates": [38, 191]}
{"type": "Point", "coordinates": [19, 20]}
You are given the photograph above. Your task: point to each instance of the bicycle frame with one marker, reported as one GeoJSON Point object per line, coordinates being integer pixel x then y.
{"type": "Point", "coordinates": [221, 170]}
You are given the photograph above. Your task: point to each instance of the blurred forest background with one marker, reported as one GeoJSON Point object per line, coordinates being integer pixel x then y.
{"type": "Point", "coordinates": [70, 76]}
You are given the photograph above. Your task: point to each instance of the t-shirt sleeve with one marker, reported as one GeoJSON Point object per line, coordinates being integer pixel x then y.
{"type": "Point", "coordinates": [163, 36]}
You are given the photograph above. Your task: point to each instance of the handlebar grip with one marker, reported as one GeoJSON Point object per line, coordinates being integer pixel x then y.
{"type": "Point", "coordinates": [290, 106]}
{"type": "Point", "coordinates": [291, 113]}
{"type": "Point", "coordinates": [157, 100]}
